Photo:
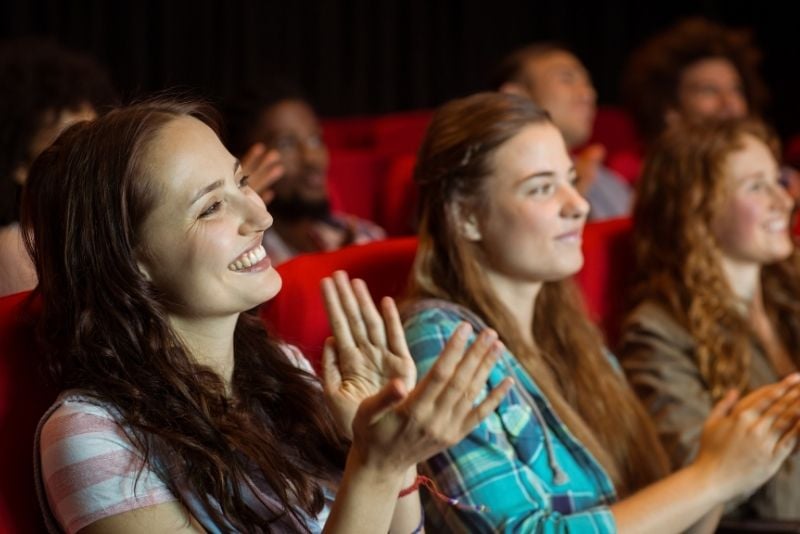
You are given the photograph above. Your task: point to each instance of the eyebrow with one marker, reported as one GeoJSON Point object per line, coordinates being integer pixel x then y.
{"type": "Point", "coordinates": [214, 185]}
{"type": "Point", "coordinates": [545, 174]}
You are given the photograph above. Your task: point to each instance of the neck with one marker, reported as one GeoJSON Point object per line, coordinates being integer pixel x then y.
{"type": "Point", "coordinates": [519, 297]}
{"type": "Point", "coordinates": [744, 279]}
{"type": "Point", "coordinates": [209, 342]}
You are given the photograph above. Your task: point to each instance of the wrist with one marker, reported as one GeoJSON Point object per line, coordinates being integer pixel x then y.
{"type": "Point", "coordinates": [708, 483]}
{"type": "Point", "coordinates": [374, 467]}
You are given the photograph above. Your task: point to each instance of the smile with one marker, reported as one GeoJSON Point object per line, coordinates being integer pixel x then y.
{"type": "Point", "coordinates": [777, 226]}
{"type": "Point", "coordinates": [252, 258]}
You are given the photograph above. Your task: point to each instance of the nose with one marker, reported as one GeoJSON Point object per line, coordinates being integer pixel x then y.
{"type": "Point", "coordinates": [255, 217]}
{"type": "Point", "coordinates": [781, 200]}
{"type": "Point", "coordinates": [574, 206]}
{"type": "Point", "coordinates": [734, 104]}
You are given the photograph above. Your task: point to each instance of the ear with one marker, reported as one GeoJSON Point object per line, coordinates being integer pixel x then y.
{"type": "Point", "coordinates": [20, 174]}
{"type": "Point", "coordinates": [515, 88]}
{"type": "Point", "coordinates": [141, 263]}
{"type": "Point", "coordinates": [466, 222]}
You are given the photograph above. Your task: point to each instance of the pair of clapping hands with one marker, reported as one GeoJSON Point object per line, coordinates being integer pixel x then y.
{"type": "Point", "coordinates": [370, 383]}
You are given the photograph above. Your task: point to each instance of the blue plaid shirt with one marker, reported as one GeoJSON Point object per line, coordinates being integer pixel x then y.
{"type": "Point", "coordinates": [504, 464]}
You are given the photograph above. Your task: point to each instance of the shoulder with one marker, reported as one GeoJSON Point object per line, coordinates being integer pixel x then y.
{"type": "Point", "coordinates": [652, 319]}
{"type": "Point", "coordinates": [89, 468]}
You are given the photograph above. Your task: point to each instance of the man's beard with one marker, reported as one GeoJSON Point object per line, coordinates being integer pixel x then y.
{"type": "Point", "coordinates": [295, 208]}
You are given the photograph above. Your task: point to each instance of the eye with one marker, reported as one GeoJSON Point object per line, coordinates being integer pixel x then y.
{"type": "Point", "coordinates": [542, 189]}
{"type": "Point", "coordinates": [212, 209]}
{"type": "Point", "coordinates": [244, 181]}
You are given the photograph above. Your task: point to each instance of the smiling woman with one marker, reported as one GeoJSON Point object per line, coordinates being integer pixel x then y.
{"type": "Point", "coordinates": [717, 307]}
{"type": "Point", "coordinates": [178, 411]}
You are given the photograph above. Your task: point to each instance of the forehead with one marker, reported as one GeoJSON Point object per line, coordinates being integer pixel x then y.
{"type": "Point", "coordinates": [553, 62]}
{"type": "Point", "coordinates": [752, 157]}
{"type": "Point", "coordinates": [710, 70]}
{"type": "Point", "coordinates": [185, 155]}
{"type": "Point", "coordinates": [288, 115]}
{"type": "Point", "coordinates": [535, 148]}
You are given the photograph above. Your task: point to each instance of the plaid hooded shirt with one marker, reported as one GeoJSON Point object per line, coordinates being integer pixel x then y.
{"type": "Point", "coordinates": [520, 469]}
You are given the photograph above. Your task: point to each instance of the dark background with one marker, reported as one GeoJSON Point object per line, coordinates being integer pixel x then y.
{"type": "Point", "coordinates": [375, 56]}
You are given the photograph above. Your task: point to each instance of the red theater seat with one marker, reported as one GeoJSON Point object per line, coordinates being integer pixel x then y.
{"type": "Point", "coordinates": [24, 397]}
{"type": "Point", "coordinates": [397, 205]}
{"type": "Point", "coordinates": [355, 178]}
{"type": "Point", "coordinates": [297, 313]}
{"type": "Point", "coordinates": [401, 133]}
{"type": "Point", "coordinates": [349, 133]}
{"type": "Point", "coordinates": [606, 275]}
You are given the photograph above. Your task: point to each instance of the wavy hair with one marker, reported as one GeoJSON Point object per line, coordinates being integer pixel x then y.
{"type": "Point", "coordinates": [569, 362]}
{"type": "Point", "coordinates": [106, 330]}
{"type": "Point", "coordinates": [651, 79]}
{"type": "Point", "coordinates": [680, 192]}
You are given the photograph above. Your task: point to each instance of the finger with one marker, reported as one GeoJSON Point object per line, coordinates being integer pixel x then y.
{"type": "Point", "coordinates": [489, 404]}
{"type": "Point", "coordinates": [374, 407]}
{"type": "Point", "coordinates": [724, 405]}
{"type": "Point", "coordinates": [789, 442]}
{"type": "Point", "coordinates": [251, 158]}
{"type": "Point", "coordinates": [761, 399]}
{"type": "Point", "coordinates": [369, 313]}
{"type": "Point", "coordinates": [395, 335]}
{"type": "Point", "coordinates": [351, 308]}
{"type": "Point", "coordinates": [781, 413]}
{"type": "Point", "coordinates": [464, 377]}
{"type": "Point", "coordinates": [340, 326]}
{"type": "Point", "coordinates": [431, 385]}
{"type": "Point", "coordinates": [331, 375]}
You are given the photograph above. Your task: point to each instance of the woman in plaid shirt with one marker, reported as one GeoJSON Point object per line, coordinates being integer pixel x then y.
{"type": "Point", "coordinates": [569, 449]}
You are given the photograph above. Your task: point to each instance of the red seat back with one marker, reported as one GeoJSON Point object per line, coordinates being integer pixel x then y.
{"type": "Point", "coordinates": [355, 178]}
{"type": "Point", "coordinates": [349, 133]}
{"type": "Point", "coordinates": [401, 133]}
{"type": "Point", "coordinates": [24, 397]}
{"type": "Point", "coordinates": [397, 205]}
{"type": "Point", "coordinates": [607, 270]}
{"type": "Point", "coordinates": [297, 314]}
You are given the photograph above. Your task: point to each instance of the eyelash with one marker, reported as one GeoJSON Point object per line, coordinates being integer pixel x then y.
{"type": "Point", "coordinates": [213, 208]}
{"type": "Point", "coordinates": [244, 181]}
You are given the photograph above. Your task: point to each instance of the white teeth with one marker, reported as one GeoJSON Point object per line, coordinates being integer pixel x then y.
{"type": "Point", "coordinates": [777, 226]}
{"type": "Point", "coordinates": [248, 259]}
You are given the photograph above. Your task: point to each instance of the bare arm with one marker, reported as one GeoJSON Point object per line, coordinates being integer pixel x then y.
{"type": "Point", "coordinates": [166, 517]}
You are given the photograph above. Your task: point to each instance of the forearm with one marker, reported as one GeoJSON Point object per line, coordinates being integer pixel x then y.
{"type": "Point", "coordinates": [366, 499]}
{"type": "Point", "coordinates": [708, 523]}
{"type": "Point", "coordinates": [408, 511]}
{"type": "Point", "coordinates": [671, 505]}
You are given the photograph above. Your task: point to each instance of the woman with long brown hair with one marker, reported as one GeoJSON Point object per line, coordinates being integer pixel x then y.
{"type": "Point", "coordinates": [178, 411]}
{"type": "Point", "coordinates": [718, 275]}
{"type": "Point", "coordinates": [569, 448]}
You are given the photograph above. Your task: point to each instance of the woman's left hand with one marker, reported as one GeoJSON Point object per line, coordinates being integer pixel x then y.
{"type": "Point", "coordinates": [367, 350]}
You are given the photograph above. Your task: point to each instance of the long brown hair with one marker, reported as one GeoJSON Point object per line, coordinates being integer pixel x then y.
{"type": "Point", "coordinates": [678, 258]}
{"type": "Point", "coordinates": [106, 331]}
{"type": "Point", "coordinates": [569, 363]}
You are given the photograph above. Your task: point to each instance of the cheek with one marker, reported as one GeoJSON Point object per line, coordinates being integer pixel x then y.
{"type": "Point", "coordinates": [739, 224]}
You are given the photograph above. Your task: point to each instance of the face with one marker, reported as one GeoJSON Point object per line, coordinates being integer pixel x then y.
{"type": "Point", "coordinates": [560, 84]}
{"type": "Point", "coordinates": [753, 221]}
{"type": "Point", "coordinates": [711, 88]}
{"type": "Point", "coordinates": [292, 128]}
{"type": "Point", "coordinates": [53, 123]}
{"type": "Point", "coordinates": [532, 226]}
{"type": "Point", "coordinates": [201, 244]}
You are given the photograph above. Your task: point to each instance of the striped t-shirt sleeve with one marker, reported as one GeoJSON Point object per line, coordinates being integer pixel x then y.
{"type": "Point", "coordinates": [91, 470]}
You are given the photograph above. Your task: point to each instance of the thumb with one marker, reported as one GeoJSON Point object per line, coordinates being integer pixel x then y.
{"type": "Point", "coordinates": [374, 407]}
{"type": "Point", "coordinates": [724, 406]}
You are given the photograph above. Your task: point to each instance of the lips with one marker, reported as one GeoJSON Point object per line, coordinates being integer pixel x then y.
{"type": "Point", "coordinates": [249, 259]}
{"type": "Point", "coordinates": [778, 225]}
{"type": "Point", "coordinates": [573, 236]}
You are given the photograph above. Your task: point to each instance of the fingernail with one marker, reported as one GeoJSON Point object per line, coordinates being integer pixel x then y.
{"type": "Point", "coordinates": [463, 330]}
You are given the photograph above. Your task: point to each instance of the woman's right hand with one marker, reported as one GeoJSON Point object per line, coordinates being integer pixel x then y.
{"type": "Point", "coordinates": [744, 443]}
{"type": "Point", "coordinates": [396, 429]}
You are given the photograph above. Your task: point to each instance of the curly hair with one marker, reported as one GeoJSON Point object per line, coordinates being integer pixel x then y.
{"type": "Point", "coordinates": [105, 329]}
{"type": "Point", "coordinates": [678, 258]}
{"type": "Point", "coordinates": [40, 79]}
{"type": "Point", "coordinates": [570, 364]}
{"type": "Point", "coordinates": [652, 77]}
